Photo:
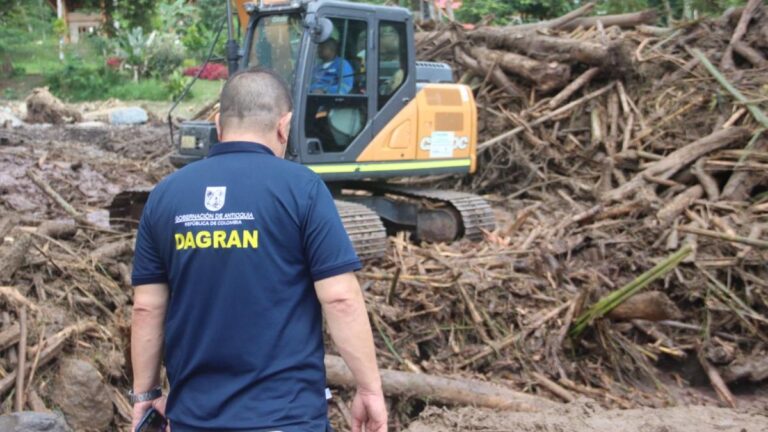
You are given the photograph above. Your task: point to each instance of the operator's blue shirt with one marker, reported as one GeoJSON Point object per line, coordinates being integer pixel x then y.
{"type": "Point", "coordinates": [240, 238]}
{"type": "Point", "coordinates": [325, 77]}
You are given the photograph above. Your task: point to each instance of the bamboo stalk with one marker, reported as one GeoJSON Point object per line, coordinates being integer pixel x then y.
{"type": "Point", "coordinates": [757, 113]}
{"type": "Point", "coordinates": [727, 237]}
{"type": "Point", "coordinates": [615, 298]}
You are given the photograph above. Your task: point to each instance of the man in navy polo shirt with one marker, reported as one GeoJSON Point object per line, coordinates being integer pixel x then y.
{"type": "Point", "coordinates": [237, 257]}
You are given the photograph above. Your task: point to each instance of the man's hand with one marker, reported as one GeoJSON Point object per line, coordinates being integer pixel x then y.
{"type": "Point", "coordinates": [141, 408]}
{"type": "Point", "coordinates": [369, 413]}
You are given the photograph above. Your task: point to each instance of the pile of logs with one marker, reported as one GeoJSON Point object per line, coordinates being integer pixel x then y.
{"type": "Point", "coordinates": [618, 145]}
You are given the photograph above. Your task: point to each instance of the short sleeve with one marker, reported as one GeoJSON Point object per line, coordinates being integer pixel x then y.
{"type": "Point", "coordinates": [327, 247]}
{"type": "Point", "coordinates": [148, 267]}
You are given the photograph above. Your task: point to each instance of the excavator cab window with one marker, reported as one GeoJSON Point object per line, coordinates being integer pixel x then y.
{"type": "Point", "coordinates": [337, 103]}
{"type": "Point", "coordinates": [275, 44]}
{"type": "Point", "coordinates": [393, 59]}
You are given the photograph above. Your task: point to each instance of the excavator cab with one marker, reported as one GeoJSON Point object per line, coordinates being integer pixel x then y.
{"type": "Point", "coordinates": [365, 110]}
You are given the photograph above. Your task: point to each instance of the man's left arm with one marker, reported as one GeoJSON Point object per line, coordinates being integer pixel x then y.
{"type": "Point", "coordinates": [150, 302]}
{"type": "Point", "coordinates": [149, 306]}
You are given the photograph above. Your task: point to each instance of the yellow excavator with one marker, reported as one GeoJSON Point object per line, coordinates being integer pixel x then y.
{"type": "Point", "coordinates": [365, 112]}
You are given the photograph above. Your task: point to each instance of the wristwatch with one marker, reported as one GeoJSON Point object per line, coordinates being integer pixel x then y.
{"type": "Point", "coordinates": [145, 396]}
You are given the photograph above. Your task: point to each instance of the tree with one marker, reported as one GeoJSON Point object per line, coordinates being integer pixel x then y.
{"type": "Point", "coordinates": [137, 13]}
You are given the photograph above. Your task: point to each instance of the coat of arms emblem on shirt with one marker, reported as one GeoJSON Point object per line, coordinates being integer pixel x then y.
{"type": "Point", "coordinates": [214, 197]}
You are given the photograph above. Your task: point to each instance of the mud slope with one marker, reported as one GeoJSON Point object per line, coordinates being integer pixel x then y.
{"type": "Point", "coordinates": [589, 418]}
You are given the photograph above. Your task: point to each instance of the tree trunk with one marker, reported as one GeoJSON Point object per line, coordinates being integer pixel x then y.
{"type": "Point", "coordinates": [550, 48]}
{"type": "Point", "coordinates": [442, 390]}
{"type": "Point", "coordinates": [546, 76]}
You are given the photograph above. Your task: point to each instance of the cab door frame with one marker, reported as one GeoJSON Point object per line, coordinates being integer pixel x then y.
{"type": "Point", "coordinates": [309, 48]}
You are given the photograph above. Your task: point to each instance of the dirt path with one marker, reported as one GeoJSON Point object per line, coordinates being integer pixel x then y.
{"type": "Point", "coordinates": [587, 417]}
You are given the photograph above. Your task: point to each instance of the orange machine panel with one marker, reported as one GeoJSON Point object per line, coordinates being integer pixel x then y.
{"type": "Point", "coordinates": [439, 123]}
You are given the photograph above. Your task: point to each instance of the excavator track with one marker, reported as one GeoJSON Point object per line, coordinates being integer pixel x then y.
{"type": "Point", "coordinates": [127, 205]}
{"type": "Point", "coordinates": [365, 229]}
{"type": "Point", "coordinates": [476, 214]}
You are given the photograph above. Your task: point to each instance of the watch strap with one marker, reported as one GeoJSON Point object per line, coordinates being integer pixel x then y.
{"type": "Point", "coordinates": [145, 396]}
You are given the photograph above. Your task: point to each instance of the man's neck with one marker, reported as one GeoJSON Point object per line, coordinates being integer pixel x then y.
{"type": "Point", "coordinates": [274, 146]}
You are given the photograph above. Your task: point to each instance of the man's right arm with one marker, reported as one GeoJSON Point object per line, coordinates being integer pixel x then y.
{"type": "Point", "coordinates": [344, 309]}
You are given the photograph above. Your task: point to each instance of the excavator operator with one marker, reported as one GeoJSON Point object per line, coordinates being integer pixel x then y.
{"type": "Point", "coordinates": [333, 74]}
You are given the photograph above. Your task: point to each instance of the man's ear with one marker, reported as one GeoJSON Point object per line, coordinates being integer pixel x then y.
{"type": "Point", "coordinates": [284, 127]}
{"type": "Point", "coordinates": [216, 118]}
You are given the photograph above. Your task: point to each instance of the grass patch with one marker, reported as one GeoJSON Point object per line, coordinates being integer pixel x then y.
{"type": "Point", "coordinates": [148, 89]}
{"type": "Point", "coordinates": [205, 91]}
{"type": "Point", "coordinates": [40, 56]}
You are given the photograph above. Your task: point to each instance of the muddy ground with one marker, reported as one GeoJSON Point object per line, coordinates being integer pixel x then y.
{"type": "Point", "coordinates": [587, 417]}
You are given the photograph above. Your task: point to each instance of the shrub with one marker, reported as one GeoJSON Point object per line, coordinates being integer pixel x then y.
{"type": "Point", "coordinates": [132, 46]}
{"type": "Point", "coordinates": [77, 82]}
{"type": "Point", "coordinates": [175, 85]}
{"type": "Point", "coordinates": [212, 71]}
{"type": "Point", "coordinates": [165, 54]}
{"type": "Point", "coordinates": [198, 40]}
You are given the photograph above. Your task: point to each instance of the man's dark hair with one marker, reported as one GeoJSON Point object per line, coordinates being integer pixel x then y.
{"type": "Point", "coordinates": [255, 98]}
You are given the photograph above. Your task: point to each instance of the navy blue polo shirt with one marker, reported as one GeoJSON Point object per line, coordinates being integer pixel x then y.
{"type": "Point", "coordinates": [240, 237]}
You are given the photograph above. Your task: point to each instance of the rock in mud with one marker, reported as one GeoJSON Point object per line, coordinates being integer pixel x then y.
{"type": "Point", "coordinates": [8, 119]}
{"type": "Point", "coordinates": [33, 422]}
{"type": "Point", "coordinates": [80, 393]}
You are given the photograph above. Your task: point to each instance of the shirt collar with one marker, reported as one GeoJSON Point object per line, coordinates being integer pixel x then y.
{"type": "Point", "coordinates": [239, 147]}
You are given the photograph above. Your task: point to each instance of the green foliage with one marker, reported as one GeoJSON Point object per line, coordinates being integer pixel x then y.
{"type": "Point", "coordinates": [212, 12]}
{"type": "Point", "coordinates": [165, 54]}
{"type": "Point", "coordinates": [679, 9]}
{"type": "Point", "coordinates": [176, 15]}
{"type": "Point", "coordinates": [132, 47]}
{"type": "Point", "coordinates": [198, 40]}
{"type": "Point", "coordinates": [175, 84]}
{"type": "Point", "coordinates": [60, 27]}
{"type": "Point", "coordinates": [137, 13]}
{"type": "Point", "coordinates": [76, 81]}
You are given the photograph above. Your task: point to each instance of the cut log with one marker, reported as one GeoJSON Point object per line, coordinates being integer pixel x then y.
{"type": "Point", "coordinates": [547, 76]}
{"type": "Point", "coordinates": [550, 48]}
{"type": "Point", "coordinates": [556, 23]}
{"type": "Point", "coordinates": [628, 20]}
{"type": "Point", "coordinates": [570, 22]}
{"type": "Point", "coordinates": [484, 68]}
{"type": "Point", "coordinates": [439, 389]}
{"type": "Point", "coordinates": [680, 158]}
{"type": "Point", "coordinates": [649, 306]}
